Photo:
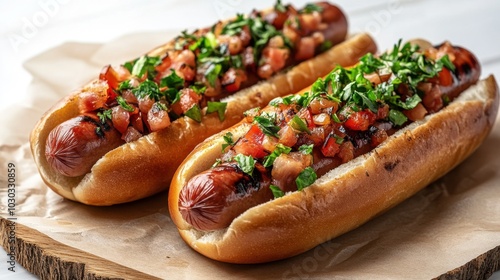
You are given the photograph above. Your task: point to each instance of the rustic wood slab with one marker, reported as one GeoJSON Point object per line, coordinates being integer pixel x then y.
{"type": "Point", "coordinates": [49, 259]}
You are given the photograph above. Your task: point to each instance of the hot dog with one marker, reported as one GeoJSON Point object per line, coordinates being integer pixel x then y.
{"type": "Point", "coordinates": [355, 144]}
{"type": "Point", "coordinates": [159, 106]}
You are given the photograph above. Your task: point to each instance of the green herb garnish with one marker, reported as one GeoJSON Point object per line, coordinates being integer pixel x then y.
{"type": "Point", "coordinates": [280, 149]}
{"type": "Point", "coordinates": [104, 115]}
{"type": "Point", "coordinates": [123, 103]}
{"type": "Point", "coordinates": [277, 192]}
{"type": "Point", "coordinates": [305, 178]}
{"type": "Point", "coordinates": [219, 107]}
{"type": "Point", "coordinates": [194, 113]}
{"type": "Point", "coordinates": [266, 123]}
{"type": "Point", "coordinates": [245, 163]}
{"type": "Point", "coordinates": [228, 139]}
{"type": "Point", "coordinates": [298, 124]}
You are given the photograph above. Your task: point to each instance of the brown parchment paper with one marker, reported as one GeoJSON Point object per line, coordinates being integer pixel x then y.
{"type": "Point", "coordinates": [441, 228]}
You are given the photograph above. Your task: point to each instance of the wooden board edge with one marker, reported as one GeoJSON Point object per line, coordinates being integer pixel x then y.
{"type": "Point", "coordinates": [482, 267]}
{"type": "Point", "coordinates": [50, 259]}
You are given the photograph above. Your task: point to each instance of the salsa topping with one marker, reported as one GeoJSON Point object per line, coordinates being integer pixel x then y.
{"type": "Point", "coordinates": [345, 114]}
{"type": "Point", "coordinates": [202, 67]}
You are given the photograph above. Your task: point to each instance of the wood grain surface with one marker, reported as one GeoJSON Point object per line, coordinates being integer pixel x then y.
{"type": "Point", "coordinates": [49, 259]}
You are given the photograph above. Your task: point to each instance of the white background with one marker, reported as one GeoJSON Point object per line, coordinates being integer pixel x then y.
{"type": "Point", "coordinates": [33, 27]}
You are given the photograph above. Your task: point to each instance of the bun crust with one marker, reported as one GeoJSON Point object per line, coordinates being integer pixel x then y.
{"type": "Point", "coordinates": [349, 195]}
{"type": "Point", "coordinates": [145, 167]}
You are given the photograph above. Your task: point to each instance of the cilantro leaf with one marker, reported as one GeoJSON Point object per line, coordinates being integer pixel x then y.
{"type": "Point", "coordinates": [280, 149]}
{"type": "Point", "coordinates": [245, 163]}
{"type": "Point", "coordinates": [228, 138]}
{"type": "Point", "coordinates": [145, 64]}
{"type": "Point", "coordinates": [149, 89]}
{"type": "Point", "coordinates": [194, 113]}
{"type": "Point", "coordinates": [266, 124]}
{"type": "Point", "coordinates": [104, 115]}
{"type": "Point", "coordinates": [397, 117]}
{"type": "Point", "coordinates": [298, 124]}
{"type": "Point", "coordinates": [124, 104]}
{"type": "Point", "coordinates": [219, 107]}
{"type": "Point", "coordinates": [306, 178]}
{"type": "Point", "coordinates": [172, 81]}
{"type": "Point", "coordinates": [277, 192]}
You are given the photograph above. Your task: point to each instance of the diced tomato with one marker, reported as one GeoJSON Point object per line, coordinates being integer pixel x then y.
{"type": "Point", "coordinates": [376, 78]}
{"type": "Point", "coordinates": [318, 104]}
{"type": "Point", "coordinates": [275, 57]}
{"type": "Point", "coordinates": [131, 134]}
{"type": "Point", "coordinates": [137, 122]}
{"type": "Point", "coordinates": [433, 99]}
{"type": "Point", "coordinates": [383, 112]}
{"type": "Point", "coordinates": [234, 43]}
{"type": "Point", "coordinates": [277, 18]}
{"type": "Point", "coordinates": [232, 79]}
{"type": "Point", "coordinates": [145, 105]}
{"type": "Point", "coordinates": [251, 143]}
{"type": "Point", "coordinates": [287, 136]}
{"type": "Point", "coordinates": [378, 137]}
{"type": "Point", "coordinates": [309, 22]}
{"type": "Point", "coordinates": [158, 118]}
{"type": "Point", "coordinates": [265, 71]}
{"type": "Point", "coordinates": [248, 58]}
{"type": "Point", "coordinates": [188, 98]}
{"type": "Point", "coordinates": [306, 115]}
{"type": "Point", "coordinates": [109, 75]}
{"type": "Point", "coordinates": [120, 118]}
{"type": "Point", "coordinates": [184, 64]}
{"type": "Point", "coordinates": [416, 113]}
{"type": "Point", "coordinates": [305, 49]}
{"type": "Point", "coordinates": [317, 135]}
{"type": "Point", "coordinates": [346, 152]}
{"type": "Point", "coordinates": [361, 120]}
{"type": "Point", "coordinates": [445, 77]}
{"type": "Point", "coordinates": [163, 67]}
{"type": "Point", "coordinates": [245, 35]}
{"type": "Point", "coordinates": [91, 101]}
{"type": "Point", "coordinates": [330, 147]}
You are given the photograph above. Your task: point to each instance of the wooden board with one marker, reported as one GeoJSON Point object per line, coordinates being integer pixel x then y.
{"type": "Point", "coordinates": [49, 259]}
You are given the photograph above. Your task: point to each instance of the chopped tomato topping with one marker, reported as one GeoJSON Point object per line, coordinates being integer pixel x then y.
{"type": "Point", "coordinates": [305, 49]}
{"type": "Point", "coordinates": [330, 148]}
{"type": "Point", "coordinates": [158, 118]}
{"type": "Point", "coordinates": [232, 79]}
{"type": "Point", "coordinates": [361, 120]}
{"type": "Point", "coordinates": [188, 98]}
{"type": "Point", "coordinates": [306, 115]}
{"type": "Point", "coordinates": [120, 118]}
{"type": "Point", "coordinates": [251, 143]}
{"type": "Point", "coordinates": [416, 113]}
{"type": "Point", "coordinates": [445, 77]}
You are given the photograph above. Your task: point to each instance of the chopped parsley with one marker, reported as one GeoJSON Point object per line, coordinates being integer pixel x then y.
{"type": "Point", "coordinates": [245, 163]}
{"type": "Point", "coordinates": [277, 192]}
{"type": "Point", "coordinates": [306, 178]}
{"type": "Point", "coordinates": [266, 123]}
{"type": "Point", "coordinates": [228, 139]}
{"type": "Point", "coordinates": [124, 104]}
{"type": "Point", "coordinates": [280, 149]}
{"type": "Point", "coordinates": [219, 107]}
{"type": "Point", "coordinates": [104, 115]}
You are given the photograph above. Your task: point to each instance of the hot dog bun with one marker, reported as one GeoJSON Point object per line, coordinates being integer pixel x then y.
{"type": "Point", "coordinates": [145, 167]}
{"type": "Point", "coordinates": [345, 197]}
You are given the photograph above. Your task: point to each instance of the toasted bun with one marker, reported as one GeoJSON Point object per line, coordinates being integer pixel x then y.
{"type": "Point", "coordinates": [349, 195]}
{"type": "Point", "coordinates": [145, 167]}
